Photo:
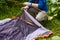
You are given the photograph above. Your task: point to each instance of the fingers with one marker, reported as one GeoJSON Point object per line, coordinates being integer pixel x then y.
{"type": "Point", "coordinates": [23, 8]}
{"type": "Point", "coordinates": [25, 3]}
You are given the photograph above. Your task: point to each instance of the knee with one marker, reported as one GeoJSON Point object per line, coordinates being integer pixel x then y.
{"type": "Point", "coordinates": [41, 16]}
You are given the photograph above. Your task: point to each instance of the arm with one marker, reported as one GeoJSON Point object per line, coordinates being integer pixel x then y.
{"type": "Point", "coordinates": [31, 4]}
{"type": "Point", "coordinates": [38, 5]}
{"type": "Point", "coordinates": [34, 5]}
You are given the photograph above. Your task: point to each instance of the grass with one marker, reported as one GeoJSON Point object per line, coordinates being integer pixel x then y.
{"type": "Point", "coordinates": [53, 25]}
{"type": "Point", "coordinates": [10, 13]}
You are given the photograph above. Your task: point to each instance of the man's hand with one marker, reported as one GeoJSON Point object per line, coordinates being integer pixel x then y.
{"type": "Point", "coordinates": [34, 5]}
{"type": "Point", "coordinates": [27, 3]}
{"type": "Point", "coordinates": [25, 8]}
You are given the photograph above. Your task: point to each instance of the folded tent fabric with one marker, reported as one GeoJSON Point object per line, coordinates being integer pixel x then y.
{"type": "Point", "coordinates": [4, 21]}
{"type": "Point", "coordinates": [38, 32]}
{"type": "Point", "coordinates": [20, 27]}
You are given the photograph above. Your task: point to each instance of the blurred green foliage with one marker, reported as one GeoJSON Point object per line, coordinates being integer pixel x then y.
{"type": "Point", "coordinates": [54, 8]}
{"type": "Point", "coordinates": [12, 8]}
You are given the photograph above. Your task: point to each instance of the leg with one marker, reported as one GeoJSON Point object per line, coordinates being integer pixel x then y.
{"type": "Point", "coordinates": [33, 11]}
{"type": "Point", "coordinates": [41, 16]}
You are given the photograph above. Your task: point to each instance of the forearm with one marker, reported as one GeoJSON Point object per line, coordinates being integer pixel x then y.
{"type": "Point", "coordinates": [31, 4]}
{"type": "Point", "coordinates": [34, 5]}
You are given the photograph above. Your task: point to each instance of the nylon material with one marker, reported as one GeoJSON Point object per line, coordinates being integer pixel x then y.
{"type": "Point", "coordinates": [17, 29]}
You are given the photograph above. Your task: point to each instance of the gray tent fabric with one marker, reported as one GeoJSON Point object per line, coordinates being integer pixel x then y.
{"type": "Point", "coordinates": [20, 27]}
{"type": "Point", "coordinates": [38, 32]}
{"type": "Point", "coordinates": [5, 21]}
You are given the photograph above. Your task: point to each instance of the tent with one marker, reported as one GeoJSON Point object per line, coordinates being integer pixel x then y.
{"type": "Point", "coordinates": [21, 28]}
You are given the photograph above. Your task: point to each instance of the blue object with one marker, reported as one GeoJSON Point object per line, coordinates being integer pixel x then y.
{"type": "Point", "coordinates": [42, 5]}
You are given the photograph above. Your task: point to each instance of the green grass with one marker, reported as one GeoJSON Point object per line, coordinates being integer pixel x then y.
{"type": "Point", "coordinates": [54, 26]}
{"type": "Point", "coordinates": [9, 13]}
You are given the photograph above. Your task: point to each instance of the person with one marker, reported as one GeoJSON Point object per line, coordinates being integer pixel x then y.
{"type": "Point", "coordinates": [38, 7]}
